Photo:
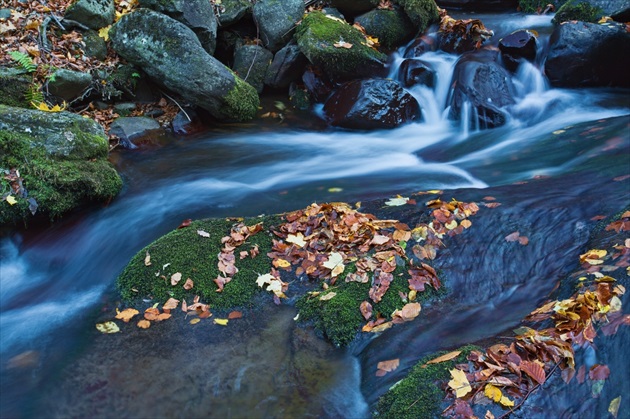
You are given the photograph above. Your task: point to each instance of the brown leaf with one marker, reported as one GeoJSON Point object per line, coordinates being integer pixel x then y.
{"type": "Point", "coordinates": [366, 310]}
{"type": "Point", "coordinates": [171, 303]}
{"type": "Point", "coordinates": [175, 278]}
{"type": "Point", "coordinates": [185, 223]}
{"type": "Point", "coordinates": [126, 314]}
{"type": "Point", "coordinates": [163, 316]}
{"type": "Point", "coordinates": [151, 313]}
{"type": "Point", "coordinates": [388, 366]}
{"type": "Point", "coordinates": [189, 284]}
{"type": "Point", "coordinates": [599, 372]}
{"type": "Point", "coordinates": [235, 315]}
{"type": "Point", "coordinates": [342, 44]}
{"type": "Point", "coordinates": [445, 357]}
{"type": "Point", "coordinates": [144, 324]}
{"type": "Point", "coordinates": [534, 370]}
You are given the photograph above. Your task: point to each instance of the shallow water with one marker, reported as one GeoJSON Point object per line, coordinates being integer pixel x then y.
{"type": "Point", "coordinates": [57, 281]}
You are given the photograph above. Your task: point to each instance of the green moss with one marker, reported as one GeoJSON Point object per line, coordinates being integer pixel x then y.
{"type": "Point", "coordinates": [316, 36]}
{"type": "Point", "coordinates": [418, 395]}
{"type": "Point", "coordinates": [195, 257]}
{"type": "Point", "coordinates": [392, 27]}
{"type": "Point", "coordinates": [422, 13]}
{"type": "Point", "coordinates": [58, 184]}
{"type": "Point", "coordinates": [15, 86]}
{"type": "Point", "coordinates": [242, 100]}
{"type": "Point", "coordinates": [577, 10]}
{"type": "Point", "coordinates": [532, 6]}
{"type": "Point", "coordinates": [339, 319]}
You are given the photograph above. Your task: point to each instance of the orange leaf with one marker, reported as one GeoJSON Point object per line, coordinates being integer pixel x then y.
{"type": "Point", "coordinates": [170, 304]}
{"type": "Point", "coordinates": [534, 370]}
{"type": "Point", "coordinates": [189, 284]}
{"type": "Point", "coordinates": [445, 357]}
{"type": "Point", "coordinates": [144, 324]}
{"type": "Point", "coordinates": [126, 314]}
{"type": "Point", "coordinates": [235, 315]}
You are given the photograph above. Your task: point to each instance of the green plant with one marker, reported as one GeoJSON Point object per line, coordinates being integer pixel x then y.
{"type": "Point", "coordinates": [25, 62]}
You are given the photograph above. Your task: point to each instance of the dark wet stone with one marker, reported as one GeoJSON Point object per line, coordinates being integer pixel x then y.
{"type": "Point", "coordinates": [421, 45]}
{"type": "Point", "coordinates": [286, 67]}
{"type": "Point", "coordinates": [251, 63]}
{"type": "Point", "coordinates": [68, 84]}
{"type": "Point", "coordinates": [412, 72]}
{"type": "Point", "coordinates": [128, 129]}
{"type": "Point", "coordinates": [182, 125]}
{"type": "Point", "coordinates": [371, 104]}
{"type": "Point", "coordinates": [518, 45]}
{"type": "Point", "coordinates": [317, 84]}
{"type": "Point", "coordinates": [478, 5]}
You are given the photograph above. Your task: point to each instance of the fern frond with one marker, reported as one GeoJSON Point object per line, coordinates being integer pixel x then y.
{"type": "Point", "coordinates": [23, 60]}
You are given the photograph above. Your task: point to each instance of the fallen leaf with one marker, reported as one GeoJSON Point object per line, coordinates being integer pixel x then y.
{"type": "Point", "coordinates": [281, 263]}
{"type": "Point", "coordinates": [185, 223]}
{"type": "Point", "coordinates": [144, 324]}
{"type": "Point", "coordinates": [379, 239]}
{"type": "Point", "coordinates": [11, 200]}
{"type": "Point", "coordinates": [398, 201]}
{"type": "Point", "coordinates": [459, 383]}
{"type": "Point", "coordinates": [107, 327]}
{"type": "Point", "coordinates": [334, 263]}
{"type": "Point", "coordinates": [410, 311]}
{"type": "Point", "coordinates": [388, 366]}
{"type": "Point", "coordinates": [171, 303]}
{"type": "Point", "coordinates": [151, 313]}
{"type": "Point", "coordinates": [203, 233]}
{"type": "Point", "coordinates": [175, 278]}
{"type": "Point", "coordinates": [599, 372]}
{"type": "Point", "coordinates": [328, 296]}
{"type": "Point", "coordinates": [163, 316]}
{"type": "Point", "coordinates": [613, 407]}
{"type": "Point", "coordinates": [466, 223]}
{"type": "Point", "coordinates": [235, 315]}
{"type": "Point", "coordinates": [534, 370]}
{"type": "Point", "coordinates": [512, 237]}
{"type": "Point", "coordinates": [104, 33]}
{"type": "Point", "coordinates": [221, 322]}
{"type": "Point", "coordinates": [264, 279]}
{"type": "Point", "coordinates": [493, 393]}
{"type": "Point", "coordinates": [195, 320]}
{"type": "Point", "coordinates": [147, 259]}
{"type": "Point", "coordinates": [126, 314]}
{"type": "Point", "coordinates": [189, 284]}
{"type": "Point", "coordinates": [445, 357]}
{"type": "Point", "coordinates": [342, 44]}
{"type": "Point", "coordinates": [297, 239]}
{"type": "Point", "coordinates": [366, 310]}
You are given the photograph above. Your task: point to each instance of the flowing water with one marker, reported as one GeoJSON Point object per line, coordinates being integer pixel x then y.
{"type": "Point", "coordinates": [56, 281]}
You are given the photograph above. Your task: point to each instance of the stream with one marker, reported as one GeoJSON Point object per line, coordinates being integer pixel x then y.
{"type": "Point", "coordinates": [57, 281]}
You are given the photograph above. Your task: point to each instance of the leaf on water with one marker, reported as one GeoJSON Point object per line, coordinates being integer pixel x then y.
{"type": "Point", "coordinates": [11, 200]}
{"type": "Point", "coordinates": [235, 315]}
{"type": "Point", "coordinates": [512, 237]}
{"type": "Point", "coordinates": [126, 314]}
{"type": "Point", "coordinates": [466, 223]}
{"type": "Point", "coordinates": [334, 263]}
{"type": "Point", "coordinates": [534, 370]}
{"type": "Point", "coordinates": [221, 322]}
{"type": "Point", "coordinates": [175, 278]}
{"type": "Point", "coordinates": [144, 324]}
{"type": "Point", "coordinates": [170, 304]}
{"type": "Point", "coordinates": [384, 367]}
{"type": "Point", "coordinates": [328, 296]}
{"type": "Point", "coordinates": [107, 327]}
{"type": "Point", "coordinates": [147, 259]}
{"type": "Point", "coordinates": [163, 316]}
{"type": "Point", "coordinates": [445, 357]}
{"type": "Point", "coordinates": [203, 233]}
{"type": "Point", "coordinates": [613, 407]}
{"type": "Point", "coordinates": [593, 257]}
{"type": "Point", "coordinates": [195, 320]}
{"type": "Point", "coordinates": [396, 202]}
{"type": "Point", "coordinates": [459, 383]}
{"type": "Point", "coordinates": [296, 239]}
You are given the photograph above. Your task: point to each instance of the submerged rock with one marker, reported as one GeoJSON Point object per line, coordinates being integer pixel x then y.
{"type": "Point", "coordinates": [172, 56]}
{"type": "Point", "coordinates": [371, 104]}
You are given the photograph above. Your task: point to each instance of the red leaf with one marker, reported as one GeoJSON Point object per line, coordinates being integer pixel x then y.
{"type": "Point", "coordinates": [185, 223]}
{"type": "Point", "coordinates": [235, 315]}
{"type": "Point", "coordinates": [534, 370]}
{"type": "Point", "coordinates": [599, 372]}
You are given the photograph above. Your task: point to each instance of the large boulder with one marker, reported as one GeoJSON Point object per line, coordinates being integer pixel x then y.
{"type": "Point", "coordinates": [52, 163]}
{"type": "Point", "coordinates": [276, 20]}
{"type": "Point", "coordinates": [392, 27]}
{"type": "Point", "coordinates": [593, 10]}
{"type": "Point", "coordinates": [481, 82]}
{"type": "Point", "coordinates": [94, 14]}
{"type": "Point", "coordinates": [68, 84]}
{"type": "Point", "coordinates": [371, 104]}
{"type": "Point", "coordinates": [15, 84]}
{"type": "Point", "coordinates": [423, 13]}
{"type": "Point", "coordinates": [172, 56]}
{"type": "Point", "coordinates": [588, 54]}
{"type": "Point", "coordinates": [196, 14]}
{"type": "Point", "coordinates": [287, 66]}
{"type": "Point", "coordinates": [231, 11]}
{"type": "Point", "coordinates": [251, 63]}
{"type": "Point", "coordinates": [413, 71]}
{"type": "Point", "coordinates": [517, 46]}
{"type": "Point", "coordinates": [338, 48]}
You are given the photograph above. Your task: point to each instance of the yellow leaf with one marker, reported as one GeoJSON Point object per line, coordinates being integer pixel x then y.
{"type": "Point", "coordinates": [493, 393]}
{"type": "Point", "coordinates": [107, 327]}
{"type": "Point", "coordinates": [296, 239]}
{"type": "Point", "coordinates": [221, 322]}
{"type": "Point", "coordinates": [42, 106]}
{"type": "Point", "coordinates": [328, 296]}
{"type": "Point", "coordinates": [334, 263]}
{"type": "Point", "coordinates": [459, 383]}
{"type": "Point", "coordinates": [281, 263]}
{"type": "Point", "coordinates": [466, 223]}
{"type": "Point", "coordinates": [412, 295]}
{"type": "Point", "coordinates": [195, 320]}
{"type": "Point", "coordinates": [506, 402]}
{"type": "Point", "coordinates": [104, 32]}
{"type": "Point", "coordinates": [451, 225]}
{"type": "Point", "coordinates": [11, 200]}
{"type": "Point", "coordinates": [126, 314]}
{"type": "Point", "coordinates": [444, 358]}
{"type": "Point", "coordinates": [613, 407]}
{"type": "Point", "coordinates": [333, 190]}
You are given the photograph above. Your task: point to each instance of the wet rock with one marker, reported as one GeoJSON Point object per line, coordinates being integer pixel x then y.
{"type": "Point", "coordinates": [128, 129]}
{"type": "Point", "coordinates": [14, 87]}
{"type": "Point", "coordinates": [94, 14]}
{"type": "Point", "coordinates": [95, 46]}
{"type": "Point", "coordinates": [413, 72]}
{"type": "Point", "coordinates": [231, 11]}
{"type": "Point", "coordinates": [480, 81]}
{"type": "Point", "coordinates": [588, 54]}
{"type": "Point", "coordinates": [371, 104]}
{"type": "Point", "coordinates": [421, 45]}
{"type": "Point", "coordinates": [172, 56]}
{"type": "Point", "coordinates": [182, 125]}
{"type": "Point", "coordinates": [593, 10]}
{"type": "Point", "coordinates": [479, 5]}
{"type": "Point", "coordinates": [299, 97]}
{"type": "Point", "coordinates": [286, 67]}
{"type": "Point", "coordinates": [423, 13]}
{"type": "Point", "coordinates": [518, 45]}
{"type": "Point", "coordinates": [276, 21]}
{"type": "Point", "coordinates": [68, 84]}
{"type": "Point", "coordinates": [318, 37]}
{"type": "Point", "coordinates": [198, 15]}
{"type": "Point", "coordinates": [392, 27]}
{"type": "Point", "coordinates": [251, 63]}
{"type": "Point", "coordinates": [317, 84]}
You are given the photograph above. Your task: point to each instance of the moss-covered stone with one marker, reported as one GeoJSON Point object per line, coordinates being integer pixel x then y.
{"type": "Point", "coordinates": [392, 27]}
{"type": "Point", "coordinates": [316, 37]}
{"type": "Point", "coordinates": [242, 100]}
{"type": "Point", "coordinates": [418, 394]}
{"type": "Point", "coordinates": [196, 257]}
{"type": "Point", "coordinates": [577, 10]}
{"type": "Point", "coordinates": [58, 184]}
{"type": "Point", "coordinates": [422, 13]}
{"type": "Point", "coordinates": [15, 86]}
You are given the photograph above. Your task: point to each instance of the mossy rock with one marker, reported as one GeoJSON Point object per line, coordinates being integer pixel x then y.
{"type": "Point", "coordinates": [58, 177]}
{"type": "Point", "coordinates": [422, 13]}
{"type": "Point", "coordinates": [15, 85]}
{"type": "Point", "coordinates": [392, 27]}
{"type": "Point", "coordinates": [195, 257]}
{"type": "Point", "coordinates": [418, 394]}
{"type": "Point", "coordinates": [316, 37]}
{"type": "Point", "coordinates": [577, 10]}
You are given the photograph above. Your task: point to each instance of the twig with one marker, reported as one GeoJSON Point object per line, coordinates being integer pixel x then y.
{"type": "Point", "coordinates": [178, 105]}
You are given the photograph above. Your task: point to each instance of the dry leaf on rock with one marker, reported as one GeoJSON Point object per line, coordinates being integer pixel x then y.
{"type": "Point", "coordinates": [126, 314]}
{"type": "Point", "coordinates": [170, 304]}
{"type": "Point", "coordinates": [235, 315]}
{"type": "Point", "coordinates": [107, 327]}
{"type": "Point", "coordinates": [189, 284]}
{"type": "Point", "coordinates": [175, 278]}
{"type": "Point", "coordinates": [328, 296]}
{"type": "Point", "coordinates": [445, 357]}
{"type": "Point", "coordinates": [221, 322]}
{"type": "Point", "coordinates": [147, 259]}
{"type": "Point", "coordinates": [144, 324]}
{"type": "Point", "coordinates": [459, 383]}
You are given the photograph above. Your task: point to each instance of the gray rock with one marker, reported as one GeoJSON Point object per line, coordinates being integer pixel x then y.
{"type": "Point", "coordinates": [231, 11]}
{"type": "Point", "coordinates": [198, 15]}
{"type": "Point", "coordinates": [172, 56]}
{"type": "Point", "coordinates": [95, 46]}
{"type": "Point", "coordinates": [14, 87]}
{"type": "Point", "coordinates": [287, 66]}
{"type": "Point", "coordinates": [128, 129]}
{"type": "Point", "coordinates": [593, 10]}
{"type": "Point", "coordinates": [251, 63]}
{"type": "Point", "coordinates": [124, 108]}
{"type": "Point", "coordinates": [588, 54]}
{"type": "Point", "coordinates": [68, 84]}
{"type": "Point", "coordinates": [276, 21]}
{"type": "Point", "coordinates": [479, 80]}
{"type": "Point", "coordinates": [94, 14]}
